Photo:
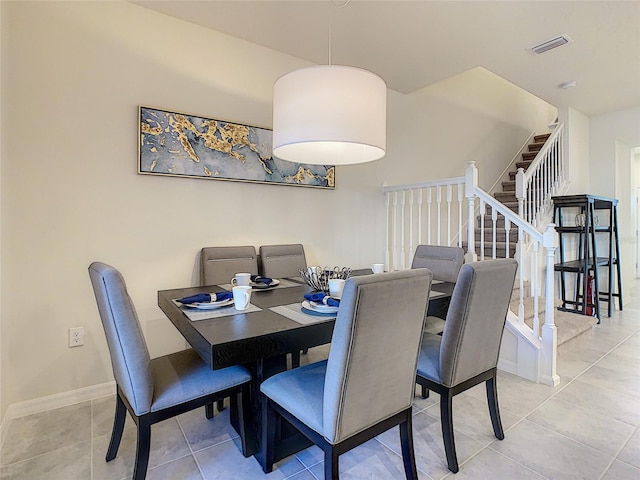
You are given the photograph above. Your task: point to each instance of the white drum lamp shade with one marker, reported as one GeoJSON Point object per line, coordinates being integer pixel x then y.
{"type": "Point", "coordinates": [330, 115]}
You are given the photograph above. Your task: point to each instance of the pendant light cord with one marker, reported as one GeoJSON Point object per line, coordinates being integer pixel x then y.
{"type": "Point", "coordinates": [331, 24]}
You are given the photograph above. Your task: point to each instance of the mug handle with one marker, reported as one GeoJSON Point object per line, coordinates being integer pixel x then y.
{"type": "Point", "coordinates": [234, 282]}
{"type": "Point", "coordinates": [247, 299]}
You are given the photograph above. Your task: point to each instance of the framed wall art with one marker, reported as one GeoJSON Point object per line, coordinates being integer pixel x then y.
{"type": "Point", "coordinates": [184, 145]}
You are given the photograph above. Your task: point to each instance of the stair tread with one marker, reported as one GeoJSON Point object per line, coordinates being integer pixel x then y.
{"type": "Point", "coordinates": [541, 138]}
{"type": "Point", "coordinates": [568, 325]}
{"type": "Point", "coordinates": [506, 195]}
{"type": "Point", "coordinates": [524, 164]}
{"type": "Point", "coordinates": [528, 304]}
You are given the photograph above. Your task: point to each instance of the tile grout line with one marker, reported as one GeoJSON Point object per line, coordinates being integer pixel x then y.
{"type": "Point", "coordinates": [305, 465]}
{"type": "Point", "coordinates": [39, 455]}
{"type": "Point", "coordinates": [563, 387]}
{"type": "Point", "coordinates": [312, 474]}
{"type": "Point", "coordinates": [163, 464]}
{"type": "Point", "coordinates": [213, 445]}
{"type": "Point", "coordinates": [618, 453]}
{"type": "Point", "coordinates": [195, 459]}
{"type": "Point", "coordinates": [613, 458]}
{"type": "Point", "coordinates": [518, 463]}
{"type": "Point", "coordinates": [400, 456]}
{"type": "Point", "coordinates": [545, 401]}
{"type": "Point", "coordinates": [571, 439]}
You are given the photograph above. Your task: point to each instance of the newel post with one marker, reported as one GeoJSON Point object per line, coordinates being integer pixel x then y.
{"type": "Point", "coordinates": [549, 332]}
{"type": "Point", "coordinates": [470, 185]}
{"type": "Point", "coordinates": [520, 191]}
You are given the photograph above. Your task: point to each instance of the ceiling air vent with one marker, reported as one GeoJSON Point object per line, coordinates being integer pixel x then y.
{"type": "Point", "coordinates": [551, 43]}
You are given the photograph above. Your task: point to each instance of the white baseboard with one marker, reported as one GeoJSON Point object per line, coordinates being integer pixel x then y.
{"type": "Point", "coordinates": [50, 402]}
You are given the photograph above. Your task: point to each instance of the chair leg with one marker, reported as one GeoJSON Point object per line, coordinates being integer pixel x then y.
{"type": "Point", "coordinates": [425, 392]}
{"type": "Point", "coordinates": [118, 427]}
{"type": "Point", "coordinates": [331, 465]}
{"type": "Point", "coordinates": [295, 359]}
{"type": "Point", "coordinates": [220, 405]}
{"type": "Point", "coordinates": [408, 455]}
{"type": "Point", "coordinates": [268, 436]}
{"type": "Point", "coordinates": [142, 450]}
{"type": "Point", "coordinates": [208, 410]}
{"type": "Point", "coordinates": [446, 419]}
{"type": "Point", "coordinates": [494, 412]}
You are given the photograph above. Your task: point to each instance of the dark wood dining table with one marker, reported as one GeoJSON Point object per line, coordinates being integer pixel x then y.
{"type": "Point", "coordinates": [260, 340]}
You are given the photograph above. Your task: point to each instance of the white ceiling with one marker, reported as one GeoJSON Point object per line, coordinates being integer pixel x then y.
{"type": "Point", "coordinates": [413, 44]}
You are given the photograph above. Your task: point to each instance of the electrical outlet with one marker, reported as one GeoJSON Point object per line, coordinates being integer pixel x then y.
{"type": "Point", "coordinates": [76, 337]}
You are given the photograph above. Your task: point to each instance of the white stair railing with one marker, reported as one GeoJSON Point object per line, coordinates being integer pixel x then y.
{"type": "Point", "coordinates": [424, 224]}
{"type": "Point", "coordinates": [530, 264]}
{"type": "Point", "coordinates": [543, 178]}
{"type": "Point", "coordinates": [503, 221]}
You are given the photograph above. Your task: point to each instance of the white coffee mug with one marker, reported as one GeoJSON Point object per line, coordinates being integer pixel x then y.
{"type": "Point", "coordinates": [377, 268]}
{"type": "Point", "coordinates": [241, 280]}
{"type": "Point", "coordinates": [241, 297]}
{"type": "Point", "coordinates": [335, 287]}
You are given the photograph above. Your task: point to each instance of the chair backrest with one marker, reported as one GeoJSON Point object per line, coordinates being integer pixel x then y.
{"type": "Point", "coordinates": [444, 262]}
{"type": "Point", "coordinates": [475, 320]}
{"type": "Point", "coordinates": [220, 264]}
{"type": "Point", "coordinates": [130, 358]}
{"type": "Point", "coordinates": [374, 350]}
{"type": "Point", "coordinates": [280, 261]}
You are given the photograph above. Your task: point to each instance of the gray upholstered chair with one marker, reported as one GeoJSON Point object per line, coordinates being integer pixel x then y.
{"type": "Point", "coordinates": [220, 264]}
{"type": "Point", "coordinates": [153, 390]}
{"type": "Point", "coordinates": [357, 393]}
{"type": "Point", "coordinates": [467, 352]}
{"type": "Point", "coordinates": [281, 261]}
{"type": "Point", "coordinates": [445, 263]}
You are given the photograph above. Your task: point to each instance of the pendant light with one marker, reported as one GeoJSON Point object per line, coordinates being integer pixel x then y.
{"type": "Point", "coordinates": [330, 115]}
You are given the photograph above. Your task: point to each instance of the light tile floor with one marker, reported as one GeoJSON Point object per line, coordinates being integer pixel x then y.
{"type": "Point", "coordinates": [585, 428]}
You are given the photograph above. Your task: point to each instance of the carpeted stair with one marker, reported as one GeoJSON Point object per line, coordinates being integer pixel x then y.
{"type": "Point", "coordinates": [568, 325]}
{"type": "Point", "coordinates": [507, 197]}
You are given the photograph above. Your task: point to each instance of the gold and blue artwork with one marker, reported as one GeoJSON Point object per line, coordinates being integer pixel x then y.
{"type": "Point", "coordinates": [183, 145]}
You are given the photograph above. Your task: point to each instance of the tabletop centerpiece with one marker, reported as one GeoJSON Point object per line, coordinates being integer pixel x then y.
{"type": "Point", "coordinates": [318, 277]}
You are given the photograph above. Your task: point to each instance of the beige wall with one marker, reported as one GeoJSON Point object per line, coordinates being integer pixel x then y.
{"type": "Point", "coordinates": [74, 74]}
{"type": "Point", "coordinates": [576, 149]}
{"type": "Point", "coordinates": [475, 115]}
{"type": "Point", "coordinates": [613, 137]}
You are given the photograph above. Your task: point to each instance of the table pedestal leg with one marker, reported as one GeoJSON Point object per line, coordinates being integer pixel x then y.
{"type": "Point", "coordinates": [289, 440]}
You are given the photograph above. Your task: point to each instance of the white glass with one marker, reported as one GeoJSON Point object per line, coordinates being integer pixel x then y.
{"type": "Point", "coordinates": [377, 268]}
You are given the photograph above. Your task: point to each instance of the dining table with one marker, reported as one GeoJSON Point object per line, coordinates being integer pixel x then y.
{"type": "Point", "coordinates": [260, 338]}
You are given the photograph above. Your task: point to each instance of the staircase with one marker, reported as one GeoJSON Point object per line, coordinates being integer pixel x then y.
{"type": "Point", "coordinates": [512, 223]}
{"type": "Point", "coordinates": [569, 325]}
{"type": "Point", "coordinates": [508, 198]}
{"type": "Point", "coordinates": [508, 194]}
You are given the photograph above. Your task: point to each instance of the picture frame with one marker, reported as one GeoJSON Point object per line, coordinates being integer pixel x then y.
{"type": "Point", "coordinates": [193, 146]}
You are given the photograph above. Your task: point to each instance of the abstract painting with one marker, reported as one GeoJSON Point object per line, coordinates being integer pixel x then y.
{"type": "Point", "coordinates": [183, 145]}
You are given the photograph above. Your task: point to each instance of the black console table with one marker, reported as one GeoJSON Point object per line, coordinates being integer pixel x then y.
{"type": "Point", "coordinates": [587, 226]}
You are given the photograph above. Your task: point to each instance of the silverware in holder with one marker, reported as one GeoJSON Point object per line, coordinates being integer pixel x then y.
{"type": "Point", "coordinates": [318, 277]}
